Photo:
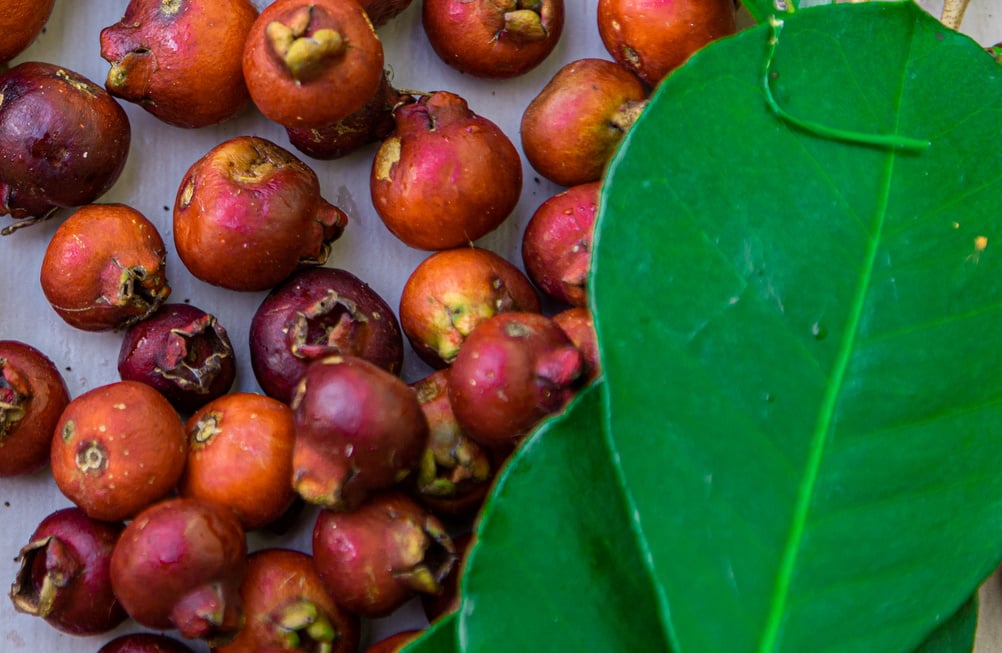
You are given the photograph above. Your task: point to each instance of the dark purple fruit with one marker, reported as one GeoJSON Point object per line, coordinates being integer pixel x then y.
{"type": "Point", "coordinates": [144, 643]}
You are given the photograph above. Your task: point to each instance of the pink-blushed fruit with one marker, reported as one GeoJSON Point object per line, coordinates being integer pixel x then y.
{"type": "Point", "coordinates": [496, 39]}
{"type": "Point", "coordinates": [446, 176]}
{"type": "Point", "coordinates": [179, 564]}
{"type": "Point", "coordinates": [33, 395]}
{"type": "Point", "coordinates": [577, 322]}
{"type": "Point", "coordinates": [144, 643]}
{"type": "Point", "coordinates": [386, 551]}
{"type": "Point", "coordinates": [248, 213]}
{"type": "Point", "coordinates": [359, 429]}
{"type": "Point", "coordinates": [512, 371]}
{"type": "Point", "coordinates": [557, 243]}
{"type": "Point", "coordinates": [64, 574]}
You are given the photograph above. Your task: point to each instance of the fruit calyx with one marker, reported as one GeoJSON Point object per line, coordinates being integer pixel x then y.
{"type": "Point", "coordinates": [523, 21]}
{"type": "Point", "coordinates": [14, 394]}
{"type": "Point", "coordinates": [302, 626]}
{"type": "Point", "coordinates": [331, 324]}
{"type": "Point", "coordinates": [304, 53]}
{"type": "Point", "coordinates": [194, 354]}
{"type": "Point", "coordinates": [426, 554]}
{"type": "Point", "coordinates": [61, 566]}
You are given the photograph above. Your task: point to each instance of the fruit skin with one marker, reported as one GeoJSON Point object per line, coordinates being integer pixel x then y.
{"type": "Point", "coordinates": [105, 268]}
{"type": "Point", "coordinates": [557, 243]}
{"type": "Point", "coordinates": [64, 574]}
{"type": "Point", "coordinates": [493, 39]}
{"type": "Point", "coordinates": [512, 371]}
{"type": "Point", "coordinates": [20, 24]}
{"type": "Point", "coordinates": [183, 352]}
{"type": "Point", "coordinates": [179, 564]}
{"type": "Point", "coordinates": [287, 608]}
{"type": "Point", "coordinates": [118, 448]}
{"type": "Point", "coordinates": [180, 59]}
{"type": "Point", "coordinates": [240, 456]}
{"type": "Point", "coordinates": [451, 291]}
{"type": "Point", "coordinates": [572, 127]}
{"type": "Point", "coordinates": [144, 643]}
{"type": "Point", "coordinates": [33, 395]}
{"type": "Point", "coordinates": [579, 325]}
{"type": "Point", "coordinates": [446, 176]}
{"type": "Point", "coordinates": [359, 429]}
{"type": "Point", "coordinates": [249, 213]}
{"type": "Point", "coordinates": [376, 557]}
{"type": "Point", "coordinates": [315, 313]}
{"type": "Point", "coordinates": [63, 141]}
{"type": "Point", "coordinates": [309, 64]}
{"type": "Point", "coordinates": [383, 11]}
{"type": "Point", "coordinates": [654, 37]}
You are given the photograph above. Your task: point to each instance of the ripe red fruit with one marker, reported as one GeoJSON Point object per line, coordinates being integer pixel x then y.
{"type": "Point", "coordinates": [20, 23]}
{"type": "Point", "coordinates": [144, 643]}
{"type": "Point", "coordinates": [578, 324]}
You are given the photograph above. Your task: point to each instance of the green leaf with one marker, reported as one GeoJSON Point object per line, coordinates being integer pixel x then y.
{"type": "Point", "coordinates": [800, 332]}
{"type": "Point", "coordinates": [760, 10]}
{"type": "Point", "coordinates": [440, 637]}
{"type": "Point", "coordinates": [955, 635]}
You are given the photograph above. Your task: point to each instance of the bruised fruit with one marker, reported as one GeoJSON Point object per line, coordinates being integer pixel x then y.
{"type": "Point", "coordinates": [179, 564]}
{"type": "Point", "coordinates": [312, 63]}
{"type": "Point", "coordinates": [144, 643]}
{"type": "Point", "coordinates": [183, 352]}
{"type": "Point", "coordinates": [63, 141]}
{"type": "Point", "coordinates": [376, 557]}
{"type": "Point", "coordinates": [180, 59]}
{"type": "Point", "coordinates": [316, 313]}
{"type": "Point", "coordinates": [240, 456]}
{"type": "Point", "coordinates": [118, 448]}
{"type": "Point", "coordinates": [248, 214]}
{"type": "Point", "coordinates": [64, 574]}
{"type": "Point", "coordinates": [21, 21]}
{"type": "Point", "coordinates": [105, 268]}
{"type": "Point", "coordinates": [452, 291]}
{"type": "Point", "coordinates": [359, 429]}
{"type": "Point", "coordinates": [287, 608]}
{"type": "Point", "coordinates": [572, 127]}
{"type": "Point", "coordinates": [446, 176]}
{"type": "Point", "coordinates": [33, 395]}
{"type": "Point", "coordinates": [496, 39]}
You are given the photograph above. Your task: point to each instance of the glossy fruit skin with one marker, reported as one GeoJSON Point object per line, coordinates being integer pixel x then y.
{"type": "Point", "coordinates": [33, 395]}
{"type": "Point", "coordinates": [320, 312]}
{"type": "Point", "coordinates": [179, 564]}
{"type": "Point", "coordinates": [451, 291]}
{"type": "Point", "coordinates": [446, 176]}
{"type": "Point", "coordinates": [512, 371]}
{"type": "Point", "coordinates": [183, 352]}
{"type": "Point", "coordinates": [64, 574]}
{"type": "Point", "coordinates": [381, 12]}
{"type": "Point", "coordinates": [359, 429]}
{"type": "Point", "coordinates": [240, 456]}
{"type": "Point", "coordinates": [557, 243]}
{"type": "Point", "coordinates": [297, 83]}
{"type": "Point", "coordinates": [63, 140]}
{"type": "Point", "coordinates": [570, 130]}
{"type": "Point", "coordinates": [20, 24]}
{"type": "Point", "coordinates": [654, 37]}
{"type": "Point", "coordinates": [249, 213]}
{"type": "Point", "coordinates": [490, 39]}
{"type": "Point", "coordinates": [105, 268]}
{"type": "Point", "coordinates": [118, 448]}
{"type": "Point", "coordinates": [287, 608]}
{"type": "Point", "coordinates": [144, 643]}
{"type": "Point", "coordinates": [376, 557]}
{"type": "Point", "coordinates": [579, 325]}
{"type": "Point", "coordinates": [180, 60]}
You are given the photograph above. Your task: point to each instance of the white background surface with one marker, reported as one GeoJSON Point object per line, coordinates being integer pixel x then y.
{"type": "Point", "coordinates": [159, 156]}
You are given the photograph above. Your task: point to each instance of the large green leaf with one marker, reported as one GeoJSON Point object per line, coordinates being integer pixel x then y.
{"type": "Point", "coordinates": [956, 634]}
{"type": "Point", "coordinates": [440, 637]}
{"type": "Point", "coordinates": [800, 332]}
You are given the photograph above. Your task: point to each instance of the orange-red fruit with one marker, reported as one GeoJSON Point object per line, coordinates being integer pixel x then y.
{"type": "Point", "coordinates": [240, 456]}
{"type": "Point", "coordinates": [654, 37]}
{"type": "Point", "coordinates": [117, 449]}
{"type": "Point", "coordinates": [312, 63]}
{"type": "Point", "coordinates": [578, 324]}
{"type": "Point", "coordinates": [21, 21]}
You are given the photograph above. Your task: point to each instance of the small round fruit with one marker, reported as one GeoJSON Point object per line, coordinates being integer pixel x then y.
{"type": "Point", "coordinates": [578, 324]}
{"type": "Point", "coordinates": [21, 21]}
{"type": "Point", "coordinates": [144, 643]}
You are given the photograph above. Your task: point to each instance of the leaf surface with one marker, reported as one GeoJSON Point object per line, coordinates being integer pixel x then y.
{"type": "Point", "coordinates": [955, 635]}
{"type": "Point", "coordinates": [440, 637]}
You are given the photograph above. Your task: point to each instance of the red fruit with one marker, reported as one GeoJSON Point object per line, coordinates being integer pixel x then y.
{"type": "Point", "coordinates": [104, 268]}
{"type": "Point", "coordinates": [64, 574]}
{"type": "Point", "coordinates": [512, 371]}
{"type": "Point", "coordinates": [571, 129]}
{"type": "Point", "coordinates": [493, 38]}
{"type": "Point", "coordinates": [654, 37]}
{"type": "Point", "coordinates": [118, 448]}
{"type": "Point", "coordinates": [180, 59]}
{"type": "Point", "coordinates": [144, 643]}
{"type": "Point", "coordinates": [63, 141]}
{"type": "Point", "coordinates": [376, 557]}
{"type": "Point", "coordinates": [557, 243]}
{"type": "Point", "coordinates": [179, 564]}
{"type": "Point", "coordinates": [383, 11]}
{"type": "Point", "coordinates": [359, 429]}
{"type": "Point", "coordinates": [248, 214]}
{"type": "Point", "coordinates": [446, 176]}
{"type": "Point", "coordinates": [287, 608]}
{"type": "Point", "coordinates": [579, 326]}
{"type": "Point", "coordinates": [452, 291]}
{"type": "Point", "coordinates": [33, 395]}
{"type": "Point", "coordinates": [20, 23]}
{"type": "Point", "coordinates": [240, 456]}
{"type": "Point", "coordinates": [310, 64]}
